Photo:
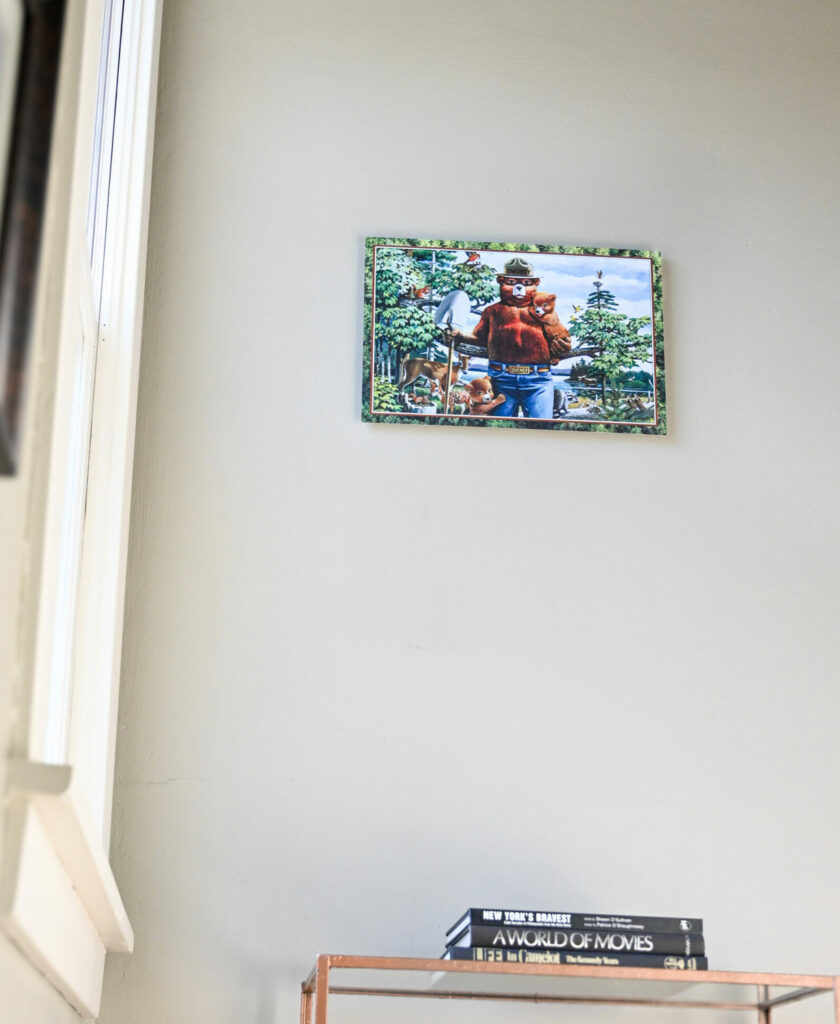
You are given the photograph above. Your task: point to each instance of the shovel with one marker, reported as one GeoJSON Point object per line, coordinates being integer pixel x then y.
{"type": "Point", "coordinates": [453, 314]}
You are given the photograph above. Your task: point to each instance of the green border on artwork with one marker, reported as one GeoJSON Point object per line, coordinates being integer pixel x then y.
{"type": "Point", "coordinates": [661, 425]}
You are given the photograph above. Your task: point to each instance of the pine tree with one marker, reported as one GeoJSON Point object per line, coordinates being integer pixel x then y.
{"type": "Point", "coordinates": [614, 338]}
{"type": "Point", "coordinates": [601, 298]}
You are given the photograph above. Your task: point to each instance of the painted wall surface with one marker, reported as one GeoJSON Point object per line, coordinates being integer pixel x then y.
{"type": "Point", "coordinates": [374, 675]}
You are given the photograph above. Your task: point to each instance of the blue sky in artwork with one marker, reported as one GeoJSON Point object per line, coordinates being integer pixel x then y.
{"type": "Point", "coordinates": [571, 279]}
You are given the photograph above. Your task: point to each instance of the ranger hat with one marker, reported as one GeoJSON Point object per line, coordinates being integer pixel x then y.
{"type": "Point", "coordinates": [517, 267]}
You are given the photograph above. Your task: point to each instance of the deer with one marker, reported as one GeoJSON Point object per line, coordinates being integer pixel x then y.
{"type": "Point", "coordinates": [435, 373]}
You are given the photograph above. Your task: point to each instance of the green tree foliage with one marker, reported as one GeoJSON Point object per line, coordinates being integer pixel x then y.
{"type": "Point", "coordinates": [402, 328]}
{"type": "Point", "coordinates": [408, 329]}
{"type": "Point", "coordinates": [615, 339]}
{"type": "Point", "coordinates": [601, 299]}
{"type": "Point", "coordinates": [640, 379]}
{"type": "Point", "coordinates": [385, 395]}
{"type": "Point", "coordinates": [478, 282]}
{"type": "Point", "coordinates": [409, 285]}
{"type": "Point", "coordinates": [429, 261]}
{"type": "Point", "coordinates": [397, 276]}
{"type": "Point", "coordinates": [444, 271]}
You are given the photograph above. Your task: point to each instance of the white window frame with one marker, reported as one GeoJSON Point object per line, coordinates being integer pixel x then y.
{"type": "Point", "coordinates": [59, 901]}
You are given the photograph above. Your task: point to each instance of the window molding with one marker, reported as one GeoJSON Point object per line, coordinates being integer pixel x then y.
{"type": "Point", "coordinates": [61, 874]}
{"type": "Point", "coordinates": [59, 901]}
{"type": "Point", "coordinates": [105, 542]}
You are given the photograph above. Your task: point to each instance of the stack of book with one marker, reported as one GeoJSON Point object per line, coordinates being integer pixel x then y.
{"type": "Point", "coordinates": [592, 940]}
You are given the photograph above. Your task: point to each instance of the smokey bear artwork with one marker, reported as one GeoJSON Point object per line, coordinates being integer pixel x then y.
{"type": "Point", "coordinates": [495, 334]}
{"type": "Point", "coordinates": [559, 339]}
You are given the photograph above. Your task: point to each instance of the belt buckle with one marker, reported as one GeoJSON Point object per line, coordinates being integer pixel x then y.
{"type": "Point", "coordinates": [519, 369]}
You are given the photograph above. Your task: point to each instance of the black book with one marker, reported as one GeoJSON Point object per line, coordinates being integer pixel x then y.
{"type": "Point", "coordinates": [565, 919]}
{"type": "Point", "coordinates": [554, 956]}
{"type": "Point", "coordinates": [686, 944]}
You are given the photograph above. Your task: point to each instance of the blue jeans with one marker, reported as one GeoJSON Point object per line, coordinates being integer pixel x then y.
{"type": "Point", "coordinates": [531, 392]}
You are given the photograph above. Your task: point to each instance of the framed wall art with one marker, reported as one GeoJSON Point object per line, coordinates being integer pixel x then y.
{"type": "Point", "coordinates": [492, 334]}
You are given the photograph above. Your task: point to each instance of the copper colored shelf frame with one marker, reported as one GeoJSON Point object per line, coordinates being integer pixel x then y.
{"type": "Point", "coordinates": [317, 986]}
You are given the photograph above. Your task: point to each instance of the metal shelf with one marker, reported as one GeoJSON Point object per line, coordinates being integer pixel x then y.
{"type": "Point", "coordinates": [403, 977]}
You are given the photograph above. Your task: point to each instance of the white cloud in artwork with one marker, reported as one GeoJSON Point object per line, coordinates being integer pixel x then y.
{"type": "Point", "coordinates": [571, 279]}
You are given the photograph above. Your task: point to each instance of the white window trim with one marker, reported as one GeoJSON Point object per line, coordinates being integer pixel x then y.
{"type": "Point", "coordinates": [58, 898]}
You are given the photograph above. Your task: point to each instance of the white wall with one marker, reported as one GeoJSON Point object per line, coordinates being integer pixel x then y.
{"type": "Point", "coordinates": [376, 674]}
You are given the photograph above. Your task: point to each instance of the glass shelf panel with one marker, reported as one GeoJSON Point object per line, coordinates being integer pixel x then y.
{"type": "Point", "coordinates": [604, 985]}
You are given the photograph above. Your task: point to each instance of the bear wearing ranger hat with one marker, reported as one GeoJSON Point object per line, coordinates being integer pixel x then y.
{"type": "Point", "coordinates": [520, 358]}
